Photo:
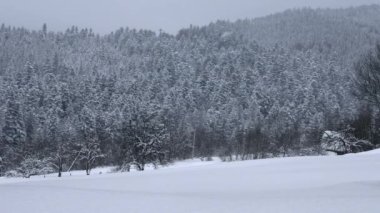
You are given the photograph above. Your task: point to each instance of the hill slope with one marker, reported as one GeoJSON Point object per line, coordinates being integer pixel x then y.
{"type": "Point", "coordinates": [347, 33]}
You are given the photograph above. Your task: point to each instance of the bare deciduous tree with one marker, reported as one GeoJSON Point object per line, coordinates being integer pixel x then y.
{"type": "Point", "coordinates": [367, 78]}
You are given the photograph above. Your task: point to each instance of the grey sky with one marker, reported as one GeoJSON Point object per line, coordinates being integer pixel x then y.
{"type": "Point", "coordinates": [170, 15]}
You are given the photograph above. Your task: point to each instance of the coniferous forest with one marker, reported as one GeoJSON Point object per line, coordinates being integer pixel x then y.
{"type": "Point", "coordinates": [249, 89]}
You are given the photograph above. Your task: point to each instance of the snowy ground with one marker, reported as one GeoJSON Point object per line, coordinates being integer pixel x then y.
{"type": "Point", "coordinates": [303, 184]}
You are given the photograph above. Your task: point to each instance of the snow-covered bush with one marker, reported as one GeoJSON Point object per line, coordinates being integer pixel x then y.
{"type": "Point", "coordinates": [361, 146]}
{"type": "Point", "coordinates": [125, 167]}
{"type": "Point", "coordinates": [13, 173]}
{"type": "Point", "coordinates": [343, 143]}
{"type": "Point", "coordinates": [334, 142]}
{"type": "Point", "coordinates": [35, 166]}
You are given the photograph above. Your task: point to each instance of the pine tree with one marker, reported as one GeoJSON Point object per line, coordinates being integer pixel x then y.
{"type": "Point", "coordinates": [13, 132]}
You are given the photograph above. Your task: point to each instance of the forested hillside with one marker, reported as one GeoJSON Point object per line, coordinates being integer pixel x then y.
{"type": "Point", "coordinates": [344, 33]}
{"type": "Point", "coordinates": [248, 89]}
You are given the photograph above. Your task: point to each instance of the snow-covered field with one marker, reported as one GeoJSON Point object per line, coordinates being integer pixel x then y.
{"type": "Point", "coordinates": [303, 184]}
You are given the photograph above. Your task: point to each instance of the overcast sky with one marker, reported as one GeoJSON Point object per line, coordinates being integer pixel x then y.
{"type": "Point", "coordinates": [105, 16]}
